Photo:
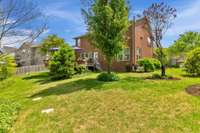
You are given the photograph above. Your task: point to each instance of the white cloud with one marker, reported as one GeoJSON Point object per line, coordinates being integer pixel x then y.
{"type": "Point", "coordinates": [14, 41]}
{"type": "Point", "coordinates": [67, 14]}
{"type": "Point", "coordinates": [187, 20]}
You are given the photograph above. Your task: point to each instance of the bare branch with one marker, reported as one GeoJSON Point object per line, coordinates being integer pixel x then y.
{"type": "Point", "coordinates": [15, 15]}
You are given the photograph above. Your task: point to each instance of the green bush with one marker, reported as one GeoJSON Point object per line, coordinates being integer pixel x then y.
{"type": "Point", "coordinates": [107, 77]}
{"type": "Point", "coordinates": [8, 113]}
{"type": "Point", "coordinates": [62, 63]}
{"type": "Point", "coordinates": [79, 69]}
{"type": "Point", "coordinates": [156, 63]}
{"type": "Point", "coordinates": [156, 76]}
{"type": "Point", "coordinates": [7, 66]}
{"type": "Point", "coordinates": [192, 63]}
{"type": "Point", "coordinates": [147, 64]}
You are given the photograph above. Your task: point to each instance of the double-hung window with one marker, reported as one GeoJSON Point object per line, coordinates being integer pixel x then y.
{"type": "Point", "coordinates": [124, 55]}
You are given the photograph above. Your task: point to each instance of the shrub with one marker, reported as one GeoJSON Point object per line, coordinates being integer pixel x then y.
{"type": "Point", "coordinates": [7, 66]}
{"type": "Point", "coordinates": [8, 113]}
{"type": "Point", "coordinates": [192, 63]}
{"type": "Point", "coordinates": [156, 76]}
{"type": "Point", "coordinates": [62, 63]}
{"type": "Point", "coordinates": [147, 64]}
{"type": "Point", "coordinates": [79, 69]}
{"type": "Point", "coordinates": [107, 77]}
{"type": "Point", "coordinates": [156, 63]}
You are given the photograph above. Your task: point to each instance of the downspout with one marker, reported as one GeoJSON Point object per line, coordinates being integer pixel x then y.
{"type": "Point", "coordinates": [133, 41]}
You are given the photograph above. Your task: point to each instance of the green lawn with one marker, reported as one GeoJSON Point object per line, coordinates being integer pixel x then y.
{"type": "Point", "coordinates": [84, 105]}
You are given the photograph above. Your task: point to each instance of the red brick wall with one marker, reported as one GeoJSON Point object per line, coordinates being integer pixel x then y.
{"type": "Point", "coordinates": [141, 41]}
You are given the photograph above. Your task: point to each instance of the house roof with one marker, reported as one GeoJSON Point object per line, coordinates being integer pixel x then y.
{"type": "Point", "coordinates": [84, 35]}
{"type": "Point", "coordinates": [36, 45]}
{"type": "Point", "coordinates": [8, 49]}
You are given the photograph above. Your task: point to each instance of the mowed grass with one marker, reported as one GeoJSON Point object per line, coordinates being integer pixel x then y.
{"type": "Point", "coordinates": [85, 105]}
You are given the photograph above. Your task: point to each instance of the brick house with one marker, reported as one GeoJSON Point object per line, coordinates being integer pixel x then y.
{"type": "Point", "coordinates": [138, 46]}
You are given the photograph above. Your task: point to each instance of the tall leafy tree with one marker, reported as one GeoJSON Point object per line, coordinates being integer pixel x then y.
{"type": "Point", "coordinates": [107, 22]}
{"type": "Point", "coordinates": [186, 42]}
{"type": "Point", "coordinates": [160, 16]}
{"type": "Point", "coordinates": [52, 41]}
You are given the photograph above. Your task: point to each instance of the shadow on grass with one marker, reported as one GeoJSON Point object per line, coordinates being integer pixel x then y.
{"type": "Point", "coordinates": [189, 76]}
{"type": "Point", "coordinates": [86, 84]}
{"type": "Point", "coordinates": [41, 78]}
{"type": "Point", "coordinates": [70, 87]}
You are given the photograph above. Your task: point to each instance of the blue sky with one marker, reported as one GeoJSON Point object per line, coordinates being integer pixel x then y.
{"type": "Point", "coordinates": [65, 20]}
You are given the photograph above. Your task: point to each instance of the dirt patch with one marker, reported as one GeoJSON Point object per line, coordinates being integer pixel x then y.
{"type": "Point", "coordinates": [193, 90]}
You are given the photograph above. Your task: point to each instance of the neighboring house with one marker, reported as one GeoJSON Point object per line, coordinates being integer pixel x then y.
{"type": "Point", "coordinates": [1, 51]}
{"type": "Point", "coordinates": [138, 46]}
{"type": "Point", "coordinates": [177, 61]}
{"type": "Point", "coordinates": [29, 54]}
{"type": "Point", "coordinates": [10, 50]}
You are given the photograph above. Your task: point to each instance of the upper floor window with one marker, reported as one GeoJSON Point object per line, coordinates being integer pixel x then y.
{"type": "Point", "coordinates": [124, 55]}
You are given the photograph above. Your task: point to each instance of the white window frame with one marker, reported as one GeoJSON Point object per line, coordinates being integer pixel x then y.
{"type": "Point", "coordinates": [89, 55]}
{"type": "Point", "coordinates": [78, 42]}
{"type": "Point", "coordinates": [138, 53]}
{"type": "Point", "coordinates": [125, 55]}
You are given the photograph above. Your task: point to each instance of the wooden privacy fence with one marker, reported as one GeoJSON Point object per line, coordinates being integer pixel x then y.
{"type": "Point", "coordinates": [28, 69]}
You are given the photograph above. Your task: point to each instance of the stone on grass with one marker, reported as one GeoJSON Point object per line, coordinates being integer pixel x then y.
{"type": "Point", "coordinates": [37, 99]}
{"type": "Point", "coordinates": [47, 111]}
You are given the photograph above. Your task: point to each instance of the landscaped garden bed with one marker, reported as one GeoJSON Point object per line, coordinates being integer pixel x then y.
{"type": "Point", "coordinates": [193, 90]}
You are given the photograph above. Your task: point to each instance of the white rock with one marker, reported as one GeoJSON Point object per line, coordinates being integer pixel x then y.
{"type": "Point", "coordinates": [47, 111]}
{"type": "Point", "coordinates": [37, 99]}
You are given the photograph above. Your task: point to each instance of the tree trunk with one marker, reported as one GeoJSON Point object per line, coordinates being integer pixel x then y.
{"type": "Point", "coordinates": [163, 70]}
{"type": "Point", "coordinates": [109, 65]}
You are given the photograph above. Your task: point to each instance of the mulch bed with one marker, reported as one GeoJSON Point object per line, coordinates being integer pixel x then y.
{"type": "Point", "coordinates": [174, 78]}
{"type": "Point", "coordinates": [193, 90]}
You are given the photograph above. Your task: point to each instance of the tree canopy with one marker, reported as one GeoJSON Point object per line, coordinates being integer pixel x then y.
{"type": "Point", "coordinates": [107, 22]}
{"type": "Point", "coordinates": [52, 41]}
{"type": "Point", "coordinates": [186, 42]}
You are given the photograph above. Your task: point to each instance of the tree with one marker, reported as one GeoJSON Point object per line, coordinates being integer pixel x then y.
{"type": "Point", "coordinates": [186, 42]}
{"type": "Point", "coordinates": [52, 41]}
{"type": "Point", "coordinates": [7, 66]}
{"type": "Point", "coordinates": [17, 19]}
{"type": "Point", "coordinates": [192, 63]}
{"type": "Point", "coordinates": [62, 63]}
{"type": "Point", "coordinates": [107, 22]}
{"type": "Point", "coordinates": [160, 17]}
